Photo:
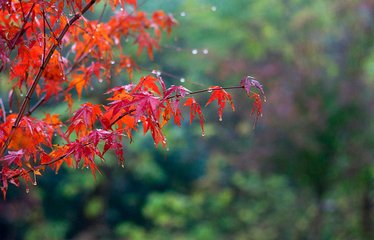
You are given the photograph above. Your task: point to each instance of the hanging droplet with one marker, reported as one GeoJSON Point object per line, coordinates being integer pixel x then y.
{"type": "Point", "coordinates": [100, 80]}
{"type": "Point", "coordinates": [27, 190]}
{"type": "Point", "coordinates": [203, 133]}
{"type": "Point", "coordinates": [210, 90]}
{"type": "Point", "coordinates": [214, 8]}
{"type": "Point", "coordinates": [92, 88]}
{"type": "Point", "coordinates": [139, 121]}
{"type": "Point", "coordinates": [21, 94]}
{"type": "Point", "coordinates": [195, 51]}
{"type": "Point", "coordinates": [70, 14]}
{"type": "Point", "coordinates": [265, 100]}
{"type": "Point", "coordinates": [123, 165]}
{"type": "Point", "coordinates": [55, 134]}
{"type": "Point", "coordinates": [205, 51]}
{"type": "Point", "coordinates": [183, 14]}
{"type": "Point", "coordinates": [167, 149]}
{"type": "Point", "coordinates": [10, 111]}
{"type": "Point", "coordinates": [34, 183]}
{"type": "Point", "coordinates": [112, 62]}
{"type": "Point", "coordinates": [220, 119]}
{"type": "Point", "coordinates": [128, 65]}
{"type": "Point", "coordinates": [182, 80]}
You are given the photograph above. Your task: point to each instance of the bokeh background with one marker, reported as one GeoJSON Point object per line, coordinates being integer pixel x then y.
{"type": "Point", "coordinates": [304, 172]}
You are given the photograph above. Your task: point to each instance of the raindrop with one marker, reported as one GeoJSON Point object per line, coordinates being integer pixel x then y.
{"type": "Point", "coordinates": [100, 80]}
{"type": "Point", "coordinates": [210, 90]}
{"type": "Point", "coordinates": [214, 8]}
{"type": "Point", "coordinates": [195, 51]}
{"type": "Point", "coordinates": [182, 80]}
{"type": "Point", "coordinates": [21, 94]}
{"type": "Point", "coordinates": [139, 121]}
{"type": "Point", "coordinates": [93, 37]}
{"type": "Point", "coordinates": [167, 149]}
{"type": "Point", "coordinates": [123, 165]}
{"type": "Point", "coordinates": [34, 183]}
{"type": "Point", "coordinates": [220, 119]}
{"type": "Point", "coordinates": [55, 134]}
{"type": "Point", "coordinates": [203, 134]}
{"type": "Point", "coordinates": [265, 100]}
{"type": "Point", "coordinates": [27, 190]}
{"type": "Point", "coordinates": [10, 111]}
{"type": "Point", "coordinates": [121, 9]}
{"type": "Point", "coordinates": [183, 14]}
{"type": "Point", "coordinates": [70, 14]}
{"type": "Point", "coordinates": [205, 51]}
{"type": "Point", "coordinates": [128, 65]}
{"type": "Point", "coordinates": [112, 62]}
{"type": "Point", "coordinates": [91, 88]}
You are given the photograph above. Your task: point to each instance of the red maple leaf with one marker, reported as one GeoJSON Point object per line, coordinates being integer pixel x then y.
{"type": "Point", "coordinates": [219, 94]}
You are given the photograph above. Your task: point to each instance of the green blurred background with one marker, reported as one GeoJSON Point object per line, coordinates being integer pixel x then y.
{"type": "Point", "coordinates": [305, 172]}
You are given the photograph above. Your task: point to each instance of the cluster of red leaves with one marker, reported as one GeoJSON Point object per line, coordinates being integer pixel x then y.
{"type": "Point", "coordinates": [33, 34]}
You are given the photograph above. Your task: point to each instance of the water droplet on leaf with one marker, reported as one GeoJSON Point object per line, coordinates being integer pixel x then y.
{"type": "Point", "coordinates": [183, 14]}
{"type": "Point", "coordinates": [195, 51]}
{"type": "Point", "coordinates": [214, 8]}
{"type": "Point", "coordinates": [205, 51]}
{"type": "Point", "coordinates": [182, 80]}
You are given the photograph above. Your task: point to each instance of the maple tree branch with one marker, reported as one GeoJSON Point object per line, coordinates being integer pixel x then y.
{"type": "Point", "coordinates": [178, 95]}
{"type": "Point", "coordinates": [33, 108]}
{"type": "Point", "coordinates": [22, 30]}
{"type": "Point", "coordinates": [31, 90]}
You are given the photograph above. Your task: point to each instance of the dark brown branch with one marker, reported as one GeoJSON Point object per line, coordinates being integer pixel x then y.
{"type": "Point", "coordinates": [22, 30]}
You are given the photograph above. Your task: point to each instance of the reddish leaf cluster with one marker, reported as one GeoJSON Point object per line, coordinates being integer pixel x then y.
{"type": "Point", "coordinates": [51, 49]}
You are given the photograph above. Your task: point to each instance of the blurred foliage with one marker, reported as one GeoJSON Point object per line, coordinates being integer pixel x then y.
{"type": "Point", "coordinates": [305, 172]}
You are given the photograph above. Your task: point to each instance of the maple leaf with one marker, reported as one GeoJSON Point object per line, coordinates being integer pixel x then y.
{"type": "Point", "coordinates": [148, 83]}
{"type": "Point", "coordinates": [84, 119]}
{"type": "Point", "coordinates": [172, 109]}
{"type": "Point", "coordinates": [195, 109]}
{"type": "Point", "coordinates": [221, 96]}
{"type": "Point", "coordinates": [249, 82]}
{"type": "Point", "coordinates": [111, 140]}
{"type": "Point", "coordinates": [178, 91]}
{"type": "Point", "coordinates": [13, 157]}
{"type": "Point", "coordinates": [257, 106]}
{"type": "Point", "coordinates": [144, 40]}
